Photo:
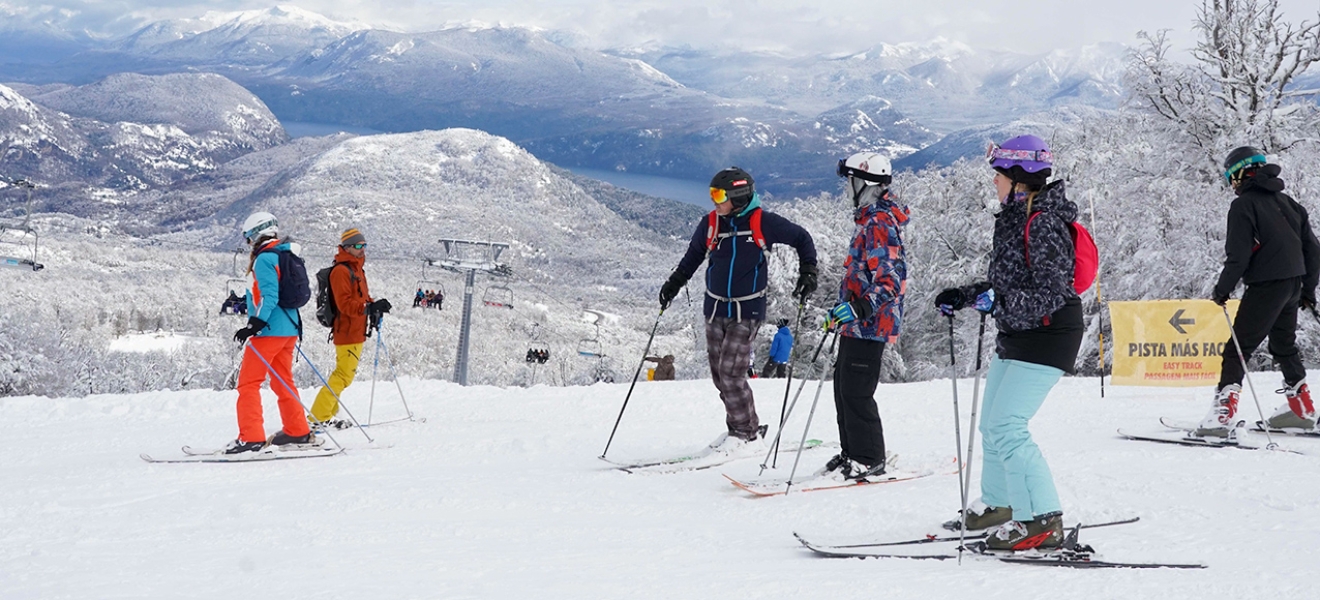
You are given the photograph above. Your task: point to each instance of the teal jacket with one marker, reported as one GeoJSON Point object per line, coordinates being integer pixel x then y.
{"type": "Point", "coordinates": [263, 295]}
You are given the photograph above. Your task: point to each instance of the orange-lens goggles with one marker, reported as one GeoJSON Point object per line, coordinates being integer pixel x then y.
{"type": "Point", "coordinates": [718, 195]}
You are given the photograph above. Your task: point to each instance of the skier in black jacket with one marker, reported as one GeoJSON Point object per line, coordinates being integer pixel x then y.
{"type": "Point", "coordinates": [1271, 248]}
{"type": "Point", "coordinates": [734, 241]}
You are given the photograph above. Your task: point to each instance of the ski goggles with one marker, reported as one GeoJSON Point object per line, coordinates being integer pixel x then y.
{"type": "Point", "coordinates": [994, 153]}
{"type": "Point", "coordinates": [258, 228]}
{"type": "Point", "coordinates": [846, 171]}
{"type": "Point", "coordinates": [721, 195]}
{"type": "Point", "coordinates": [357, 246]}
{"type": "Point", "coordinates": [1258, 159]}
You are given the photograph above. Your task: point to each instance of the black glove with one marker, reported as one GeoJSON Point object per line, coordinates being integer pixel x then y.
{"type": "Point", "coordinates": [1220, 299]}
{"type": "Point", "coordinates": [1308, 301]}
{"type": "Point", "coordinates": [806, 283]}
{"type": "Point", "coordinates": [670, 289]}
{"type": "Point", "coordinates": [951, 299]}
{"type": "Point", "coordinates": [379, 307]}
{"type": "Point", "coordinates": [254, 326]}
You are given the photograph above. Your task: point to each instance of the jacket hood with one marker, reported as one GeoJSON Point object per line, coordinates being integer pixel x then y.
{"type": "Point", "coordinates": [342, 256]}
{"type": "Point", "coordinates": [886, 203]}
{"type": "Point", "coordinates": [1265, 178]}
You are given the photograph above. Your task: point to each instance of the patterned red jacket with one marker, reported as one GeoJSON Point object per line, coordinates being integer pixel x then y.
{"type": "Point", "coordinates": [876, 270]}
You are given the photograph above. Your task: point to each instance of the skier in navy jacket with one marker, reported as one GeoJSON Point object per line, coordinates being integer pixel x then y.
{"type": "Point", "coordinates": [734, 240]}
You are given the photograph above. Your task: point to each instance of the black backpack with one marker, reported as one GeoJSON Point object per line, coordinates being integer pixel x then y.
{"type": "Point", "coordinates": [326, 311]}
{"type": "Point", "coordinates": [295, 290]}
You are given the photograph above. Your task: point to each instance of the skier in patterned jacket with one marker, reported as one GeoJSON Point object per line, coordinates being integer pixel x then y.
{"type": "Point", "coordinates": [1039, 317]}
{"type": "Point", "coordinates": [868, 313]}
{"type": "Point", "coordinates": [734, 240]}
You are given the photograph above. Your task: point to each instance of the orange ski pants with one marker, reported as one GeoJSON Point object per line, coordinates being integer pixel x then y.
{"type": "Point", "coordinates": [278, 352]}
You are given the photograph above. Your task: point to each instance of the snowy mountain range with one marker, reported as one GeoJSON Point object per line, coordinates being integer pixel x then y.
{"type": "Point", "coordinates": [676, 113]}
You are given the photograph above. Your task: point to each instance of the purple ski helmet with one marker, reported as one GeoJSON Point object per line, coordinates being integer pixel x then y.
{"type": "Point", "coordinates": [1026, 151]}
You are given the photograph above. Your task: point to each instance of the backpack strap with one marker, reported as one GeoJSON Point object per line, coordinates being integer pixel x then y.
{"type": "Point", "coordinates": [1026, 238]}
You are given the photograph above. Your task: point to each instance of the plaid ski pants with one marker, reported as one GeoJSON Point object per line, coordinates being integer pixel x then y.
{"type": "Point", "coordinates": [729, 348]}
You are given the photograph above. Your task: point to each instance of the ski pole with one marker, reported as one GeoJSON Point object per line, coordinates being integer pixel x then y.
{"type": "Point", "coordinates": [1245, 375]}
{"type": "Point", "coordinates": [375, 364]}
{"type": "Point", "coordinates": [788, 384]}
{"type": "Point", "coordinates": [820, 386]}
{"type": "Point", "coordinates": [326, 383]}
{"type": "Point", "coordinates": [394, 372]}
{"type": "Point", "coordinates": [637, 373]}
{"type": "Point", "coordinates": [971, 431]}
{"type": "Point", "coordinates": [957, 424]}
{"type": "Point", "coordinates": [269, 369]}
{"type": "Point", "coordinates": [802, 384]}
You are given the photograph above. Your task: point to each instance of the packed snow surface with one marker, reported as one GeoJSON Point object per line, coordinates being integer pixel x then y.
{"type": "Point", "coordinates": [499, 494]}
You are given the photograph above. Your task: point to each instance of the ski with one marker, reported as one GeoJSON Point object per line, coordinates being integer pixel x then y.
{"type": "Point", "coordinates": [765, 488]}
{"type": "Point", "coordinates": [1181, 438]}
{"type": "Point", "coordinates": [701, 460]}
{"type": "Point", "coordinates": [191, 455]}
{"type": "Point", "coordinates": [933, 539]}
{"type": "Point", "coordinates": [1259, 427]}
{"type": "Point", "coordinates": [1075, 556]}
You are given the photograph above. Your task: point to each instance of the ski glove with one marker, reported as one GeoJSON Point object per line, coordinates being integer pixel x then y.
{"type": "Point", "coordinates": [806, 283]}
{"type": "Point", "coordinates": [670, 289]}
{"type": "Point", "coordinates": [980, 295]}
{"type": "Point", "coordinates": [984, 299]}
{"type": "Point", "coordinates": [1220, 299]}
{"type": "Point", "coordinates": [1308, 300]}
{"type": "Point", "coordinates": [847, 312]}
{"type": "Point", "coordinates": [379, 307]}
{"type": "Point", "coordinates": [254, 326]}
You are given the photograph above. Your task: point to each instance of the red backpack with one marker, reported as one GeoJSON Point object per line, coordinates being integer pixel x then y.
{"type": "Point", "coordinates": [1086, 265]}
{"type": "Point", "coordinates": [713, 235]}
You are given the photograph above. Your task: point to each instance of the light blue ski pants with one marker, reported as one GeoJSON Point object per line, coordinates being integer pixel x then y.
{"type": "Point", "coordinates": [1013, 471]}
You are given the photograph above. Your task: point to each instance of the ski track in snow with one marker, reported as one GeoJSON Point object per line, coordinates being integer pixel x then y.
{"type": "Point", "coordinates": [500, 494]}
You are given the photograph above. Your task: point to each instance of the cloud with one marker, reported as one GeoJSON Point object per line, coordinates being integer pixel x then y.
{"type": "Point", "coordinates": [797, 27]}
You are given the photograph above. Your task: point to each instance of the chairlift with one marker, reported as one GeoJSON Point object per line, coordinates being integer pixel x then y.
{"type": "Point", "coordinates": [498, 296]}
{"type": "Point", "coordinates": [425, 286]}
{"type": "Point", "coordinates": [19, 242]}
{"type": "Point", "coordinates": [590, 348]}
{"type": "Point", "coordinates": [235, 301]}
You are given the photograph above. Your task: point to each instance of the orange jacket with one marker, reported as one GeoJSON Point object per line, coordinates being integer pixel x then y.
{"type": "Point", "coordinates": [351, 300]}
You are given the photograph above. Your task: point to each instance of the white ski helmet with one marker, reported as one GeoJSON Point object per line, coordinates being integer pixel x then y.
{"type": "Point", "coordinates": [870, 167]}
{"type": "Point", "coordinates": [868, 173]}
{"type": "Point", "coordinates": [260, 224]}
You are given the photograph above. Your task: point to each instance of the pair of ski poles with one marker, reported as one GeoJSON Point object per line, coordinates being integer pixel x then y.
{"type": "Point", "coordinates": [965, 476]}
{"type": "Point", "coordinates": [380, 342]}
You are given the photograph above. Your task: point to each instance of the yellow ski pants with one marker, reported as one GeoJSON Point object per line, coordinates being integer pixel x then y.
{"type": "Point", "coordinates": [346, 364]}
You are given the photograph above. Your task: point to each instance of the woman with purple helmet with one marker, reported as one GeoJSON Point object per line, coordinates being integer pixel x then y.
{"type": "Point", "coordinates": [1039, 317]}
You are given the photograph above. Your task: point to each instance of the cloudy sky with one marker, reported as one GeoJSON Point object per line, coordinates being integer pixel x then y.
{"type": "Point", "coordinates": [791, 26]}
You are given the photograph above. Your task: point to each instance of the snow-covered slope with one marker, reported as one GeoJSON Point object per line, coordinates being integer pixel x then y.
{"type": "Point", "coordinates": [499, 495]}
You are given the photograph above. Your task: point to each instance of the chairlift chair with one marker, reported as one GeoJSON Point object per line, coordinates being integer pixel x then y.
{"type": "Point", "coordinates": [590, 348]}
{"type": "Point", "coordinates": [19, 242]}
{"type": "Point", "coordinates": [498, 296]}
{"type": "Point", "coordinates": [430, 285]}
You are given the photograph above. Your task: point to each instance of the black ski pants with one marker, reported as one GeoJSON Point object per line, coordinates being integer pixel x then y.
{"type": "Point", "coordinates": [856, 374]}
{"type": "Point", "coordinates": [1268, 308]}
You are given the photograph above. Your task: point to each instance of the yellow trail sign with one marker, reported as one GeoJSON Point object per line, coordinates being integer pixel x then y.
{"type": "Point", "coordinates": [1168, 342]}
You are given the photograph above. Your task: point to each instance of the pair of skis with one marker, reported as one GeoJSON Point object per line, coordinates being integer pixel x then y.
{"type": "Point", "coordinates": [700, 460]}
{"type": "Point", "coordinates": [1071, 554]}
{"type": "Point", "coordinates": [193, 455]}
{"type": "Point", "coordinates": [1181, 434]}
{"type": "Point", "coordinates": [778, 486]}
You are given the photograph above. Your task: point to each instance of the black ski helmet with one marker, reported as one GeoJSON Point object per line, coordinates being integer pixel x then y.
{"type": "Point", "coordinates": [1240, 159]}
{"type": "Point", "coordinates": [737, 184]}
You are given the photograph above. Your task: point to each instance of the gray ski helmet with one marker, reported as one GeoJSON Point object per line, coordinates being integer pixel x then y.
{"type": "Point", "coordinates": [1241, 158]}
{"type": "Point", "coordinates": [737, 184]}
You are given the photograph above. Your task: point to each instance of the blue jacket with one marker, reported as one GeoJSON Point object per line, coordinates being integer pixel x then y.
{"type": "Point", "coordinates": [263, 295]}
{"type": "Point", "coordinates": [782, 346]}
{"type": "Point", "coordinates": [738, 266]}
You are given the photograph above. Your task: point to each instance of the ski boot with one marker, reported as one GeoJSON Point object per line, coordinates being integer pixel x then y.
{"type": "Point", "coordinates": [833, 465]}
{"type": "Point", "coordinates": [980, 516]}
{"type": "Point", "coordinates": [1222, 424]}
{"type": "Point", "coordinates": [856, 471]}
{"type": "Point", "coordinates": [731, 443]}
{"type": "Point", "coordinates": [240, 446]}
{"type": "Point", "coordinates": [284, 439]}
{"type": "Point", "coordinates": [1298, 412]}
{"type": "Point", "coordinates": [1044, 531]}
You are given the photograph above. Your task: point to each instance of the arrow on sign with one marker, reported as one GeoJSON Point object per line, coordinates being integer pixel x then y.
{"type": "Point", "coordinates": [1177, 321]}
